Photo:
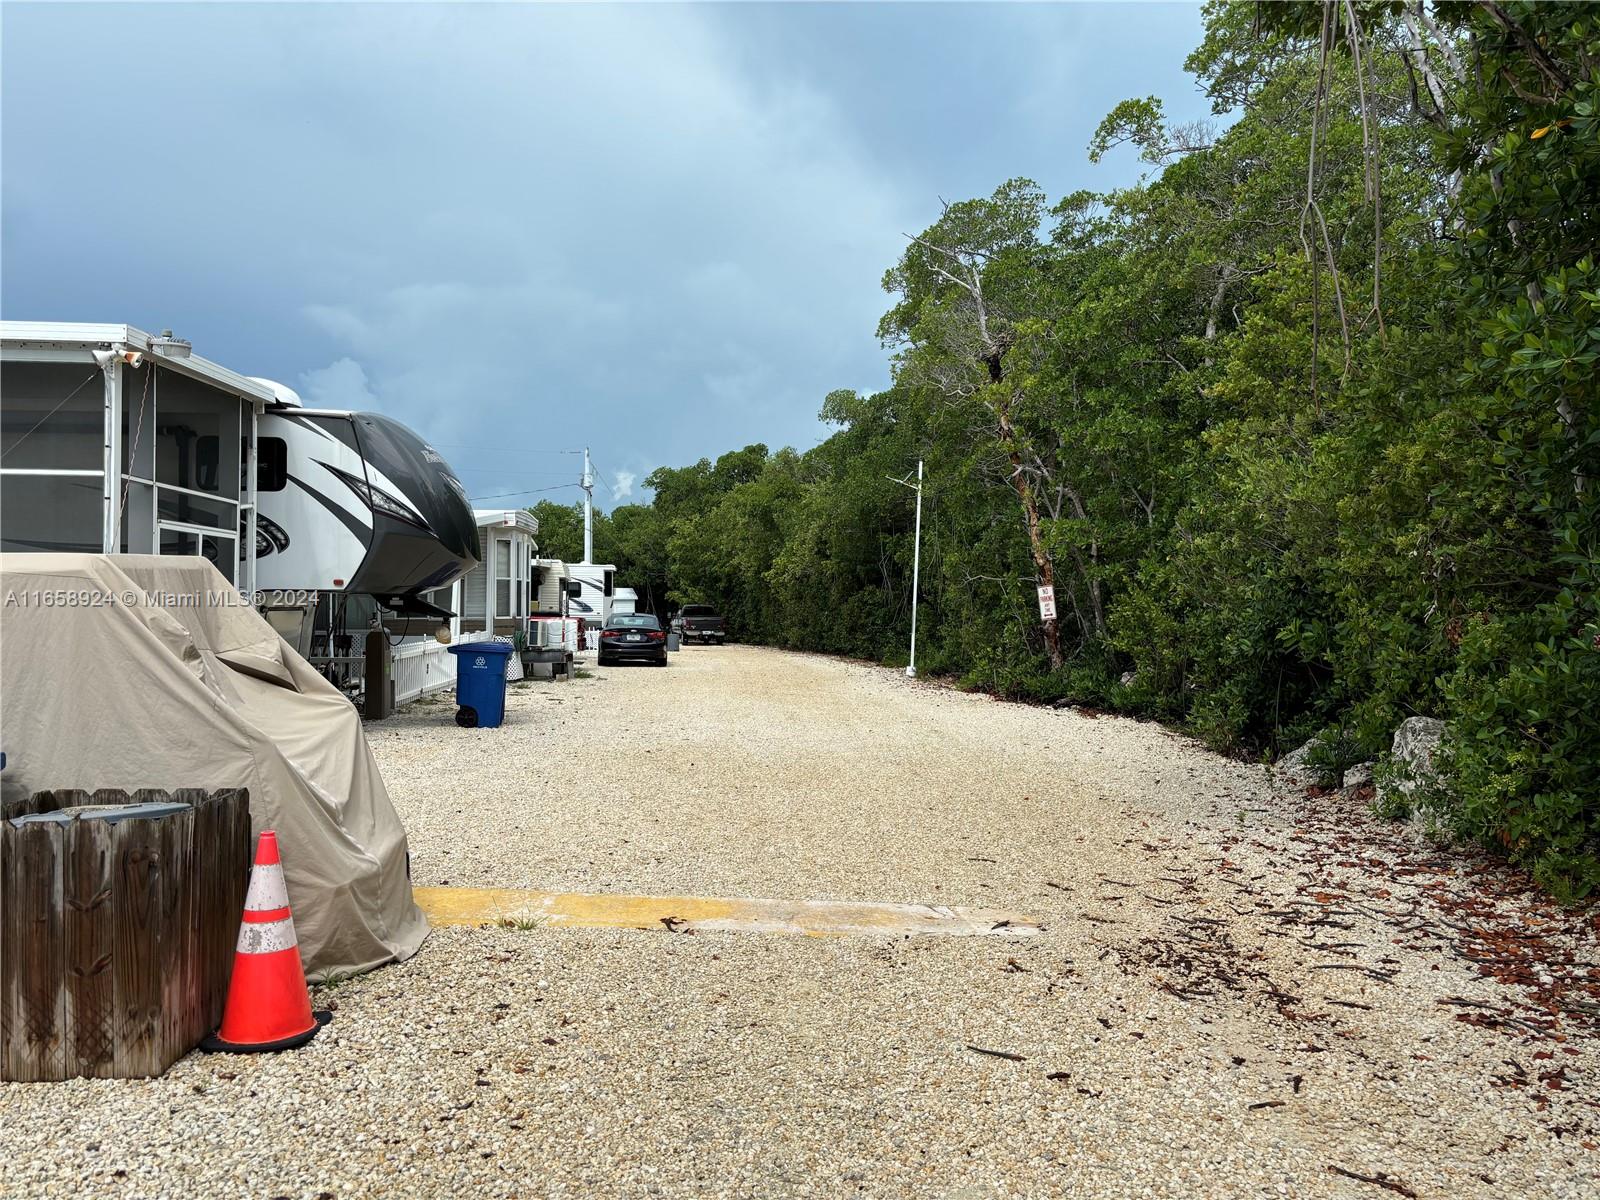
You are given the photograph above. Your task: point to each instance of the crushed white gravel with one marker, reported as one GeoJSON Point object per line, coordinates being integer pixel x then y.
{"type": "Point", "coordinates": [1239, 992]}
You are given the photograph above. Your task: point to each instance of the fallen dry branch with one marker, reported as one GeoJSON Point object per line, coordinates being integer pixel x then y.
{"type": "Point", "coordinates": [1005, 1054]}
{"type": "Point", "coordinates": [1380, 1179]}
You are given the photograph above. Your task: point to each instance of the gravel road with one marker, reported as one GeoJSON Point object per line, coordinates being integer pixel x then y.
{"type": "Point", "coordinates": [1240, 991]}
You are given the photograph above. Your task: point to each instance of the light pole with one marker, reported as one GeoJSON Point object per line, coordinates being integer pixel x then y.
{"type": "Point", "coordinates": [916, 563]}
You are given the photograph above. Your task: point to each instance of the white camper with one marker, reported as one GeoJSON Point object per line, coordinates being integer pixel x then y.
{"type": "Point", "coordinates": [551, 587]}
{"type": "Point", "coordinates": [596, 584]}
{"type": "Point", "coordinates": [353, 502]}
{"type": "Point", "coordinates": [360, 524]}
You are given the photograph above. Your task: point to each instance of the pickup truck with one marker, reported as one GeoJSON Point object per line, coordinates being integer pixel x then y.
{"type": "Point", "coordinates": [701, 622]}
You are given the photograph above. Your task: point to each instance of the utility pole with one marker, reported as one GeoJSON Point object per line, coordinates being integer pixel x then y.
{"type": "Point", "coordinates": [916, 564]}
{"type": "Point", "coordinates": [588, 508]}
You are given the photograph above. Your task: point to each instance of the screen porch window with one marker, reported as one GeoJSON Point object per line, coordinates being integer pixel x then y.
{"type": "Point", "coordinates": [52, 431]}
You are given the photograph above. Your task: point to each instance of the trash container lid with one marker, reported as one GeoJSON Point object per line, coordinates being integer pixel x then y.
{"type": "Point", "coordinates": [483, 648]}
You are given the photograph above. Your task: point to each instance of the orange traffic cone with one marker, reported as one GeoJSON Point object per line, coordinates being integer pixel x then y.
{"type": "Point", "coordinates": [268, 1005]}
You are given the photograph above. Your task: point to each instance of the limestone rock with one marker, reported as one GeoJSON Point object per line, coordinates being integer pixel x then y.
{"type": "Point", "coordinates": [1412, 780]}
{"type": "Point", "coordinates": [1357, 776]}
{"type": "Point", "coordinates": [1295, 768]}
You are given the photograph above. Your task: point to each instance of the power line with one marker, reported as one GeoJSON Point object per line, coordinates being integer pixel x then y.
{"type": "Point", "coordinates": [607, 482]}
{"type": "Point", "coordinates": [471, 466]}
{"type": "Point", "coordinates": [535, 491]}
{"type": "Point", "coordinates": [528, 492]}
{"type": "Point", "coordinates": [501, 448]}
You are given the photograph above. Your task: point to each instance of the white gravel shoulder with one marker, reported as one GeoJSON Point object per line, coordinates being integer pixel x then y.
{"type": "Point", "coordinates": [1238, 993]}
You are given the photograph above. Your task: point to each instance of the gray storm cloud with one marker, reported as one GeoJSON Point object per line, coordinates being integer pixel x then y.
{"type": "Point", "coordinates": [655, 230]}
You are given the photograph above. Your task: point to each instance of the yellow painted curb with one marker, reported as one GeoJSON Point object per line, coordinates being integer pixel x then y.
{"type": "Point", "coordinates": [581, 910]}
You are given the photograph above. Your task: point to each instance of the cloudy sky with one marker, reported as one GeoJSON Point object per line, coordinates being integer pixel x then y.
{"type": "Point", "coordinates": [658, 230]}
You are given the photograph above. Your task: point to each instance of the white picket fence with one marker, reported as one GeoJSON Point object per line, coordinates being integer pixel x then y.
{"type": "Point", "coordinates": [424, 667]}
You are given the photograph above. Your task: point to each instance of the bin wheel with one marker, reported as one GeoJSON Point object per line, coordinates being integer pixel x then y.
{"type": "Point", "coordinates": [467, 717]}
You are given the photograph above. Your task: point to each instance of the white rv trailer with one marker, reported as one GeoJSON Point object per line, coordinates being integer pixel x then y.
{"type": "Point", "coordinates": [361, 514]}
{"type": "Point", "coordinates": [596, 583]}
{"type": "Point", "coordinates": [354, 502]}
{"type": "Point", "coordinates": [512, 592]}
{"type": "Point", "coordinates": [116, 441]}
{"type": "Point", "coordinates": [552, 626]}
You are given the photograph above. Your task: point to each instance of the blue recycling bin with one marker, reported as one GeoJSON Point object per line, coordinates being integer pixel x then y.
{"type": "Point", "coordinates": [481, 683]}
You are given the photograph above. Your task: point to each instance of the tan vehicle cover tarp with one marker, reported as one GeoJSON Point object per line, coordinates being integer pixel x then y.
{"type": "Point", "coordinates": [138, 671]}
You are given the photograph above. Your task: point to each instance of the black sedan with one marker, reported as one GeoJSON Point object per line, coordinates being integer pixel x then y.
{"type": "Point", "coordinates": [633, 637]}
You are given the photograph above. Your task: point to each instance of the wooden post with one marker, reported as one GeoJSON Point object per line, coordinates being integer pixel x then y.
{"type": "Point", "coordinates": [239, 849]}
{"type": "Point", "coordinates": [208, 869]}
{"type": "Point", "coordinates": [90, 918]}
{"type": "Point", "coordinates": [137, 958]}
{"type": "Point", "coordinates": [176, 931]}
{"type": "Point", "coordinates": [34, 966]}
{"type": "Point", "coordinates": [379, 699]}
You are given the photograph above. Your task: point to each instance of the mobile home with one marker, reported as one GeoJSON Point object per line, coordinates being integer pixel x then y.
{"type": "Point", "coordinates": [497, 594]}
{"type": "Point", "coordinates": [116, 441]}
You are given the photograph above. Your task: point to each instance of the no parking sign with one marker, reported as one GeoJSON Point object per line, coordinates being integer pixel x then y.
{"type": "Point", "coordinates": [1047, 604]}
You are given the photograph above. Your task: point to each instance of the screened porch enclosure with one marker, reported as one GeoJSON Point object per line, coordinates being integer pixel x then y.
{"type": "Point", "coordinates": [108, 447]}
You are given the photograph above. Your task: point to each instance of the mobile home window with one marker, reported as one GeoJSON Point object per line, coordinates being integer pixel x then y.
{"type": "Point", "coordinates": [502, 577]}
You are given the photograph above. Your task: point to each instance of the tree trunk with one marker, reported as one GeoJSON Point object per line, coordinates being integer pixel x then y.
{"type": "Point", "coordinates": [1041, 556]}
{"type": "Point", "coordinates": [1214, 313]}
{"type": "Point", "coordinates": [1030, 512]}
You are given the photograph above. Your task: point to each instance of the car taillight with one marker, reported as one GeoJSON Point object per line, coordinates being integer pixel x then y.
{"type": "Point", "coordinates": [655, 635]}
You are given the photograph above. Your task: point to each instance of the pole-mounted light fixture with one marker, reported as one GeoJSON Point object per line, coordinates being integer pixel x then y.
{"type": "Point", "coordinates": [170, 347]}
